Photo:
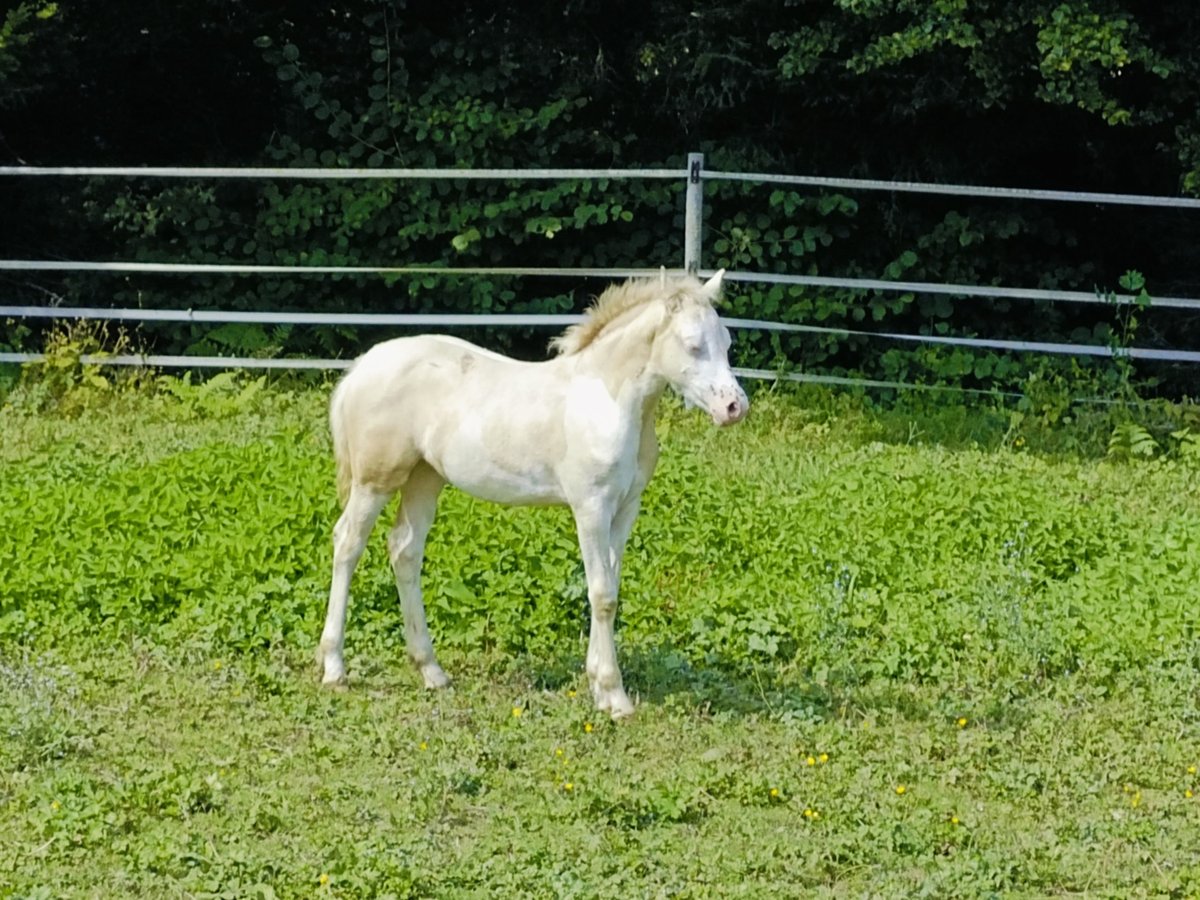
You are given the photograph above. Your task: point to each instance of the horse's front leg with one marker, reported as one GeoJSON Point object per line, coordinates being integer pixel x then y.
{"type": "Point", "coordinates": [627, 510]}
{"type": "Point", "coordinates": [594, 524]}
{"type": "Point", "coordinates": [622, 528]}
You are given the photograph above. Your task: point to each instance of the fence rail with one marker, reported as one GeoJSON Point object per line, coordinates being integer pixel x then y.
{"type": "Point", "coordinates": [693, 178]}
{"type": "Point", "coordinates": [960, 190]}
{"type": "Point", "coordinates": [859, 284]}
{"type": "Point", "coordinates": [241, 362]}
{"type": "Point", "coordinates": [820, 181]}
{"type": "Point", "coordinates": [324, 174]}
{"type": "Point", "coordinates": [561, 320]}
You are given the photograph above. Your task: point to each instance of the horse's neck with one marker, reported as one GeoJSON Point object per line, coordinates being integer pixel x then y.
{"type": "Point", "coordinates": [621, 360]}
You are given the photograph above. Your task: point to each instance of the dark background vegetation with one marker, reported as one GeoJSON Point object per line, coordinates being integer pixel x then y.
{"type": "Point", "coordinates": [1089, 95]}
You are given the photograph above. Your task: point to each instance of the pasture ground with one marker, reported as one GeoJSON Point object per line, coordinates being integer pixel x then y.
{"type": "Point", "coordinates": [899, 654]}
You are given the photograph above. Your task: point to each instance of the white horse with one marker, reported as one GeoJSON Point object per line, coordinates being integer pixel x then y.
{"type": "Point", "coordinates": [414, 414]}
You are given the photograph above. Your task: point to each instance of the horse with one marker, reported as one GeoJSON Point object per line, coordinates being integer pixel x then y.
{"type": "Point", "coordinates": [414, 414]}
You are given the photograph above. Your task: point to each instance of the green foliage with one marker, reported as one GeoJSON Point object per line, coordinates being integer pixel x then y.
{"type": "Point", "coordinates": [1132, 440]}
{"type": "Point", "coordinates": [893, 90]}
{"type": "Point", "coordinates": [1083, 51]}
{"type": "Point", "coordinates": [23, 25]}
{"type": "Point", "coordinates": [62, 381]}
{"type": "Point", "coordinates": [940, 607]}
{"type": "Point", "coordinates": [425, 99]}
{"type": "Point", "coordinates": [223, 396]}
{"type": "Point", "coordinates": [1077, 49]}
{"type": "Point", "coordinates": [43, 723]}
{"type": "Point", "coordinates": [873, 652]}
{"type": "Point", "coordinates": [164, 542]}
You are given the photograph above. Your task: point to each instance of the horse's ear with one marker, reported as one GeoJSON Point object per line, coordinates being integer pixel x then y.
{"type": "Point", "coordinates": [712, 287]}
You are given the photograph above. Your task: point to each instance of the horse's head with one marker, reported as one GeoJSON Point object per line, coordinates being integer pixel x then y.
{"type": "Point", "coordinates": [691, 351]}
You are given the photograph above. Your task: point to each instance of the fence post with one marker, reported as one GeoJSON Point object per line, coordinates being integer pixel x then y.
{"type": "Point", "coordinates": [693, 215]}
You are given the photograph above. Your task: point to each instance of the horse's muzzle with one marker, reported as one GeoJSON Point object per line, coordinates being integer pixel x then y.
{"type": "Point", "coordinates": [728, 409]}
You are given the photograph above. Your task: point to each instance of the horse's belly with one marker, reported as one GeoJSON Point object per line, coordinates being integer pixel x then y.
{"type": "Point", "coordinates": [505, 465]}
{"type": "Point", "coordinates": [484, 478]}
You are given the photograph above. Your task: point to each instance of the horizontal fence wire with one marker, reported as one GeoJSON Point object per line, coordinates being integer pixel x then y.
{"type": "Point", "coordinates": [156, 360]}
{"type": "Point", "coordinates": [58, 265]}
{"type": "Point", "coordinates": [327, 174]}
{"type": "Point", "coordinates": [290, 318]}
{"type": "Point", "coordinates": [561, 320]}
{"type": "Point", "coordinates": [308, 364]}
{"type": "Point", "coordinates": [816, 281]}
{"type": "Point", "coordinates": [958, 190]}
{"type": "Point", "coordinates": [855, 184]}
{"type": "Point", "coordinates": [963, 290]}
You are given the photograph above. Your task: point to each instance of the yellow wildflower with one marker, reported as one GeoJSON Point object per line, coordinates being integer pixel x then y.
{"type": "Point", "coordinates": [587, 726]}
{"type": "Point", "coordinates": [516, 712]}
{"type": "Point", "coordinates": [1191, 770]}
{"type": "Point", "coordinates": [323, 879]}
{"type": "Point", "coordinates": [962, 722]}
{"type": "Point", "coordinates": [824, 757]}
{"type": "Point", "coordinates": [568, 786]}
{"type": "Point", "coordinates": [900, 789]}
{"type": "Point", "coordinates": [424, 745]}
{"type": "Point", "coordinates": [811, 761]}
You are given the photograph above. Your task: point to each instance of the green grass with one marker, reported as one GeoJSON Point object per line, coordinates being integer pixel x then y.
{"type": "Point", "coordinates": [876, 654]}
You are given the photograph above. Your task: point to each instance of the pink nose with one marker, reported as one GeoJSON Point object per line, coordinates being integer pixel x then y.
{"type": "Point", "coordinates": [734, 411]}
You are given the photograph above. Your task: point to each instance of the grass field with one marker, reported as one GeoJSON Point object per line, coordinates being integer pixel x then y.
{"type": "Point", "coordinates": [876, 654]}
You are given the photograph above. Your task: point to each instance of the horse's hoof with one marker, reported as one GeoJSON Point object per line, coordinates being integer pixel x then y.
{"type": "Point", "coordinates": [616, 703]}
{"type": "Point", "coordinates": [339, 685]}
{"type": "Point", "coordinates": [621, 715]}
{"type": "Point", "coordinates": [435, 678]}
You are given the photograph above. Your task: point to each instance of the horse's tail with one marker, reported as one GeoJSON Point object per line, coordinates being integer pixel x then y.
{"type": "Point", "coordinates": [341, 444]}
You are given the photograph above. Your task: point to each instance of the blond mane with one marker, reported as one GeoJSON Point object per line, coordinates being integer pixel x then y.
{"type": "Point", "coordinates": [618, 299]}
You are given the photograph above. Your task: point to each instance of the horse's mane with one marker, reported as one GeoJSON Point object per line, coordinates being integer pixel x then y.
{"type": "Point", "coordinates": [618, 299]}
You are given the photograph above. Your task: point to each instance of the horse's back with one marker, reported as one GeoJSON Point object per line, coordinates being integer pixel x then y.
{"type": "Point", "coordinates": [403, 352]}
{"type": "Point", "coordinates": [406, 365]}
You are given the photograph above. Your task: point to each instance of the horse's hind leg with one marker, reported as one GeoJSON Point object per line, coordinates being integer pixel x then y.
{"type": "Point", "coordinates": [406, 547]}
{"type": "Point", "coordinates": [349, 539]}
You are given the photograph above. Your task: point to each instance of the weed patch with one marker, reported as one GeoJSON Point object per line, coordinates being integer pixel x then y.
{"type": "Point", "coordinates": [869, 660]}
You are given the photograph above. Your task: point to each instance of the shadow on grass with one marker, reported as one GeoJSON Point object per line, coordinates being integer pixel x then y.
{"type": "Point", "coordinates": [662, 676]}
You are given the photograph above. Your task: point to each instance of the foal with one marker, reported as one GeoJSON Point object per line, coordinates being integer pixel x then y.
{"type": "Point", "coordinates": [414, 414]}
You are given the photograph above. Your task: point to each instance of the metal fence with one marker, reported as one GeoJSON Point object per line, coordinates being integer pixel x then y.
{"type": "Point", "coordinates": [693, 178]}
